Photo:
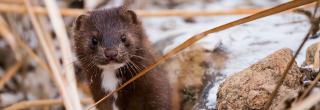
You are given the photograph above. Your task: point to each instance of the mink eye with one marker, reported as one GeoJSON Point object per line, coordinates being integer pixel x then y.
{"type": "Point", "coordinates": [94, 40]}
{"type": "Point", "coordinates": [123, 38]}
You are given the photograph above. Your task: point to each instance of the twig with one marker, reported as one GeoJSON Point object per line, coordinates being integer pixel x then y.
{"type": "Point", "coordinates": [15, 8]}
{"type": "Point", "coordinates": [310, 87]}
{"type": "Point", "coordinates": [316, 60]}
{"type": "Point", "coordinates": [314, 22]}
{"type": "Point", "coordinates": [193, 39]}
{"type": "Point", "coordinates": [317, 57]}
{"type": "Point", "coordinates": [5, 31]}
{"type": "Point", "coordinates": [307, 103]}
{"type": "Point", "coordinates": [26, 48]}
{"type": "Point", "coordinates": [10, 73]}
{"type": "Point", "coordinates": [292, 60]}
{"type": "Point", "coordinates": [50, 57]}
{"type": "Point", "coordinates": [8, 37]}
{"type": "Point", "coordinates": [12, 1]}
{"type": "Point", "coordinates": [34, 56]}
{"type": "Point", "coordinates": [192, 13]}
{"type": "Point", "coordinates": [42, 103]}
{"type": "Point", "coordinates": [59, 29]}
{"type": "Point", "coordinates": [284, 74]}
{"type": "Point", "coordinates": [30, 52]}
{"type": "Point", "coordinates": [48, 37]}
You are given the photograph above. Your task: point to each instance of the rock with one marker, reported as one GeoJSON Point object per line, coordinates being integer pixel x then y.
{"type": "Point", "coordinates": [311, 65]}
{"type": "Point", "coordinates": [311, 60]}
{"type": "Point", "coordinates": [190, 71]}
{"type": "Point", "coordinates": [252, 87]}
{"type": "Point", "coordinates": [219, 56]}
{"type": "Point", "coordinates": [295, 102]}
{"type": "Point", "coordinates": [186, 71]}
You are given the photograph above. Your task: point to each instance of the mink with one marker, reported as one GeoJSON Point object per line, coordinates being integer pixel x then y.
{"type": "Point", "coordinates": [112, 47]}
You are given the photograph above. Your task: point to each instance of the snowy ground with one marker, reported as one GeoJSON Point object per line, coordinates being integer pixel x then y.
{"type": "Point", "coordinates": [246, 44]}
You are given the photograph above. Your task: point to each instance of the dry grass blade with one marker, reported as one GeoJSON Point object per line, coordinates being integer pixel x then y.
{"type": "Point", "coordinates": [76, 12]}
{"type": "Point", "coordinates": [12, 1]}
{"type": "Point", "coordinates": [310, 87]}
{"type": "Point", "coordinates": [315, 81]}
{"type": "Point", "coordinates": [38, 10]}
{"type": "Point", "coordinates": [15, 8]}
{"type": "Point", "coordinates": [8, 36]}
{"type": "Point", "coordinates": [50, 57]}
{"type": "Point", "coordinates": [46, 33]}
{"type": "Point", "coordinates": [317, 59]}
{"type": "Point", "coordinates": [307, 103]}
{"type": "Point", "coordinates": [9, 33]}
{"type": "Point", "coordinates": [4, 31]}
{"type": "Point", "coordinates": [191, 13]}
{"type": "Point", "coordinates": [193, 39]}
{"type": "Point", "coordinates": [59, 29]}
{"type": "Point", "coordinates": [42, 103]}
{"type": "Point", "coordinates": [292, 60]}
{"type": "Point", "coordinates": [34, 56]}
{"type": "Point", "coordinates": [10, 73]}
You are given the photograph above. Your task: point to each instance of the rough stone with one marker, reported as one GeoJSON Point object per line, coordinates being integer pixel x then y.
{"type": "Point", "coordinates": [190, 71]}
{"type": "Point", "coordinates": [252, 87]}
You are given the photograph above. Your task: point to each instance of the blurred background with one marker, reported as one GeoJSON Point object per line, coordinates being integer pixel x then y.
{"type": "Point", "coordinates": [37, 60]}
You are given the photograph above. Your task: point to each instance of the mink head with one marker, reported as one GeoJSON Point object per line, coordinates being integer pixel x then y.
{"type": "Point", "coordinates": [110, 36]}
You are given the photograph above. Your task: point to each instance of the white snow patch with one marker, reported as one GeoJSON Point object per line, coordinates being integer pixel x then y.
{"type": "Point", "coordinates": [245, 44]}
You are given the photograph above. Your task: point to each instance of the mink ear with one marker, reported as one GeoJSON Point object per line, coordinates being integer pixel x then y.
{"type": "Point", "coordinates": [78, 22]}
{"type": "Point", "coordinates": [130, 16]}
{"type": "Point", "coordinates": [133, 16]}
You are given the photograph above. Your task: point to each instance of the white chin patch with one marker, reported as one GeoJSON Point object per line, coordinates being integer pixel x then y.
{"type": "Point", "coordinates": [111, 66]}
{"type": "Point", "coordinates": [109, 79]}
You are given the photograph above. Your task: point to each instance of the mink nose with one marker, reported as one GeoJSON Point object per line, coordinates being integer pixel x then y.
{"type": "Point", "coordinates": [111, 54]}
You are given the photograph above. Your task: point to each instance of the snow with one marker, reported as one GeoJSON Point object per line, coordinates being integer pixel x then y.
{"type": "Point", "coordinates": [246, 43]}
{"type": "Point", "coordinates": [212, 96]}
{"type": "Point", "coordinates": [10, 98]}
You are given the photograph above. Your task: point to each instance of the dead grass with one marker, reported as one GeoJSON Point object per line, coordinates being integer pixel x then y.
{"type": "Point", "coordinates": [193, 39]}
{"type": "Point", "coordinates": [17, 8]}
{"type": "Point", "coordinates": [66, 78]}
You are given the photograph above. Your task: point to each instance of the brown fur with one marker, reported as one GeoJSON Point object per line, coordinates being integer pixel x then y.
{"type": "Point", "coordinates": [150, 92]}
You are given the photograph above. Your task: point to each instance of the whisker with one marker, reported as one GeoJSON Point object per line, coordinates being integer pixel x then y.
{"type": "Point", "coordinates": [139, 57]}
{"type": "Point", "coordinates": [127, 66]}
{"type": "Point", "coordinates": [121, 73]}
{"type": "Point", "coordinates": [132, 67]}
{"type": "Point", "coordinates": [135, 66]}
{"type": "Point", "coordinates": [139, 49]}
